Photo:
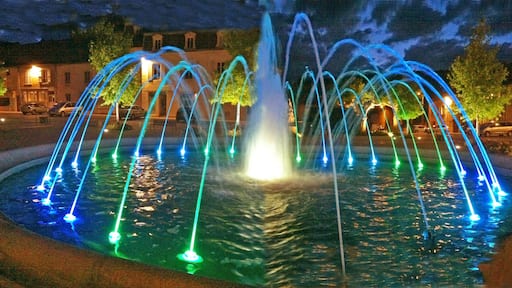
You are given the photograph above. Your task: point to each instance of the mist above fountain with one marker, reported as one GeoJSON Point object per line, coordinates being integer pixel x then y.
{"type": "Point", "coordinates": [333, 135]}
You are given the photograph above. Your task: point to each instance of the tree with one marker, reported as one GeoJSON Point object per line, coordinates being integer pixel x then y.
{"type": "Point", "coordinates": [243, 43]}
{"type": "Point", "coordinates": [3, 89]}
{"type": "Point", "coordinates": [106, 43]}
{"type": "Point", "coordinates": [478, 77]}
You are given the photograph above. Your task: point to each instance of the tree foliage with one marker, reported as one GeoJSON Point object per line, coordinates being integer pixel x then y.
{"type": "Point", "coordinates": [477, 76]}
{"type": "Point", "coordinates": [3, 88]}
{"type": "Point", "coordinates": [243, 43]}
{"type": "Point", "coordinates": [106, 43]}
{"type": "Point", "coordinates": [409, 107]}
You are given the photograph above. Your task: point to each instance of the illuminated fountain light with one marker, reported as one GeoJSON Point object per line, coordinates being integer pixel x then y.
{"type": "Point", "coordinates": [69, 218]}
{"type": "Point", "coordinates": [114, 237]}
{"type": "Point", "coordinates": [190, 257]}
{"type": "Point", "coordinates": [46, 202]}
{"type": "Point", "coordinates": [74, 164]}
{"type": "Point", "coordinates": [58, 170]}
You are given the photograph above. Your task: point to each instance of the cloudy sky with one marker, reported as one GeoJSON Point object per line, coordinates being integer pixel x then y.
{"type": "Point", "coordinates": [430, 31]}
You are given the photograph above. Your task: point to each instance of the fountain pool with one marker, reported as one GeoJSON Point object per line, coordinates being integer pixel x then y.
{"type": "Point", "coordinates": [274, 234]}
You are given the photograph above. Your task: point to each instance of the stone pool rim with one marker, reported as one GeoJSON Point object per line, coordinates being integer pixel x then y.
{"type": "Point", "coordinates": [29, 257]}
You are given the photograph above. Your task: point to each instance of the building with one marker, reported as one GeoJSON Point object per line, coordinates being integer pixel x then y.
{"type": "Point", "coordinates": [55, 71]}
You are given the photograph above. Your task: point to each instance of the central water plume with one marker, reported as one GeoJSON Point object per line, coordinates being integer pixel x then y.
{"type": "Point", "coordinates": [267, 142]}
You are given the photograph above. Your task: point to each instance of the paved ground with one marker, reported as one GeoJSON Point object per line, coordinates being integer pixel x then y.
{"type": "Point", "coordinates": [17, 130]}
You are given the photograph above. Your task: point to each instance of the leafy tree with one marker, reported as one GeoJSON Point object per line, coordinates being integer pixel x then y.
{"type": "Point", "coordinates": [106, 43]}
{"type": "Point", "coordinates": [409, 106]}
{"type": "Point", "coordinates": [3, 89]}
{"type": "Point", "coordinates": [478, 77]}
{"type": "Point", "coordinates": [243, 43]}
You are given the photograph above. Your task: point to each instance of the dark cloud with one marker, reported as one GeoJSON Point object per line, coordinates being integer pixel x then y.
{"type": "Point", "coordinates": [413, 21]}
{"type": "Point", "coordinates": [440, 53]}
{"type": "Point", "coordinates": [430, 31]}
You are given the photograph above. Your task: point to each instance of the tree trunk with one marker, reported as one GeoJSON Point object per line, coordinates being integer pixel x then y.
{"type": "Point", "coordinates": [477, 126]}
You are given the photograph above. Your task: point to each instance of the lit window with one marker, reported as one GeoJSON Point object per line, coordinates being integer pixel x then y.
{"type": "Point", "coordinates": [157, 41]}
{"type": "Point", "coordinates": [190, 40]}
{"type": "Point", "coordinates": [45, 76]}
{"type": "Point", "coordinates": [155, 71]}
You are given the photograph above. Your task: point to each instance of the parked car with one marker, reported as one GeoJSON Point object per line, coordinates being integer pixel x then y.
{"type": "Point", "coordinates": [499, 128]}
{"type": "Point", "coordinates": [62, 108]}
{"type": "Point", "coordinates": [33, 108]}
{"type": "Point", "coordinates": [135, 112]}
{"type": "Point", "coordinates": [419, 128]}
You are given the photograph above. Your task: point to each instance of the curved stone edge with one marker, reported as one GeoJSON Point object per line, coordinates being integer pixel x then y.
{"type": "Point", "coordinates": [37, 260]}
{"type": "Point", "coordinates": [498, 271]}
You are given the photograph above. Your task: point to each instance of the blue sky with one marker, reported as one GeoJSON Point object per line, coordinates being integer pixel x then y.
{"type": "Point", "coordinates": [431, 31]}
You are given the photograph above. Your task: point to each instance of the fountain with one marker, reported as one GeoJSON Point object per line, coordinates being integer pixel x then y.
{"type": "Point", "coordinates": [317, 201]}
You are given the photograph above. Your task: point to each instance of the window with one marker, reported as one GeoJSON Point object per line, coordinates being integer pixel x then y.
{"type": "Point", "coordinates": [157, 41]}
{"type": "Point", "coordinates": [5, 101]}
{"type": "Point", "coordinates": [220, 67]}
{"type": "Point", "coordinates": [28, 79]}
{"type": "Point", "coordinates": [188, 75]}
{"type": "Point", "coordinates": [155, 71]}
{"type": "Point", "coordinates": [68, 97]}
{"type": "Point", "coordinates": [87, 77]}
{"type": "Point", "coordinates": [45, 76]}
{"type": "Point", "coordinates": [67, 77]}
{"type": "Point", "coordinates": [190, 40]}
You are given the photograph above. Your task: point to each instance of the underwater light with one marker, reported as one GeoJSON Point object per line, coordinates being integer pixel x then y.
{"type": "Point", "coordinates": [114, 156]}
{"type": "Point", "coordinates": [420, 165]}
{"type": "Point", "coordinates": [325, 159]}
{"type": "Point", "coordinates": [159, 152]}
{"type": "Point", "coordinates": [46, 202]}
{"type": "Point", "coordinates": [93, 159]}
{"type": "Point", "coordinates": [58, 170]}
{"type": "Point", "coordinates": [40, 187]}
{"type": "Point", "coordinates": [298, 158]}
{"type": "Point", "coordinates": [190, 257]}
{"type": "Point", "coordinates": [47, 178]}
{"type": "Point", "coordinates": [350, 160]}
{"type": "Point", "coordinates": [182, 152]}
{"type": "Point", "coordinates": [114, 237]}
{"type": "Point", "coordinates": [474, 217]}
{"type": "Point", "coordinates": [74, 164]}
{"type": "Point", "coordinates": [232, 151]}
{"type": "Point", "coordinates": [496, 204]}
{"type": "Point", "coordinates": [374, 161]}
{"type": "Point", "coordinates": [69, 218]}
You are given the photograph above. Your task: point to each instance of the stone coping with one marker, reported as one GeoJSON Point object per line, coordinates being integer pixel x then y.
{"type": "Point", "coordinates": [47, 262]}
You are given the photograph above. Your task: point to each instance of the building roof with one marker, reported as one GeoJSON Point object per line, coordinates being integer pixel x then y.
{"type": "Point", "coordinates": [49, 52]}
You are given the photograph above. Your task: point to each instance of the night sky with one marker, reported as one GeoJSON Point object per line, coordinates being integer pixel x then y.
{"type": "Point", "coordinates": [432, 31]}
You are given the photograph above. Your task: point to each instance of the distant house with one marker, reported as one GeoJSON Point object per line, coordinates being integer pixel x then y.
{"type": "Point", "coordinates": [44, 72]}
{"type": "Point", "coordinates": [55, 71]}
